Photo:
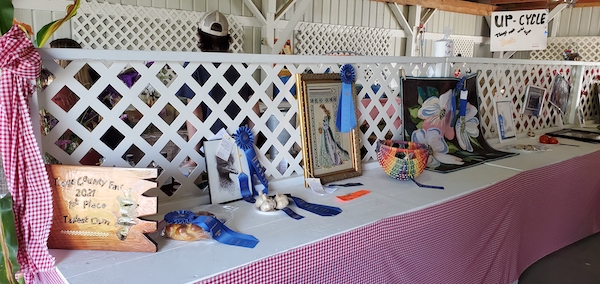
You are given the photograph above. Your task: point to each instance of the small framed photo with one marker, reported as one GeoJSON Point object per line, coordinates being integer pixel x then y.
{"type": "Point", "coordinates": [327, 153]}
{"type": "Point", "coordinates": [504, 120]}
{"type": "Point", "coordinates": [534, 100]}
{"type": "Point", "coordinates": [223, 176]}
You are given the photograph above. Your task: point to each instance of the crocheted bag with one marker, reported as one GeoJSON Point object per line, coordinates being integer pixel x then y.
{"type": "Point", "coordinates": [402, 160]}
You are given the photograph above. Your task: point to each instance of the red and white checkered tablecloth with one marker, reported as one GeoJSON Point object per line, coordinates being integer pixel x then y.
{"type": "Point", "coordinates": [26, 174]}
{"type": "Point", "coordinates": [488, 236]}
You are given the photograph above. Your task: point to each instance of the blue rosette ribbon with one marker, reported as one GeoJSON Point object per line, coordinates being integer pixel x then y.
{"type": "Point", "coordinates": [346, 115]}
{"type": "Point", "coordinates": [245, 140]}
{"type": "Point", "coordinates": [219, 231]}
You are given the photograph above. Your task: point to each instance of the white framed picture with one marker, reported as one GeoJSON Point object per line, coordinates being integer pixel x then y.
{"type": "Point", "coordinates": [223, 176]}
{"type": "Point", "coordinates": [534, 100]}
{"type": "Point", "coordinates": [504, 119]}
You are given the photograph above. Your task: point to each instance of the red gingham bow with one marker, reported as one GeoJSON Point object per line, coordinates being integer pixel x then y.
{"type": "Point", "coordinates": [26, 175]}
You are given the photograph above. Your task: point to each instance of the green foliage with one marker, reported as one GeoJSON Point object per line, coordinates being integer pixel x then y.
{"type": "Point", "coordinates": [7, 14]}
{"type": "Point", "coordinates": [8, 242]}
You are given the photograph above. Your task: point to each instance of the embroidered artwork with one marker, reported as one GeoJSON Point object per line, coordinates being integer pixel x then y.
{"type": "Point", "coordinates": [433, 116]}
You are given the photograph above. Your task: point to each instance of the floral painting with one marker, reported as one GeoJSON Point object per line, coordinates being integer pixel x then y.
{"type": "Point", "coordinates": [432, 116]}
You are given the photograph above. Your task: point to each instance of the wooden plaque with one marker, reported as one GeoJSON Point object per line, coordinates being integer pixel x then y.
{"type": "Point", "coordinates": [98, 208]}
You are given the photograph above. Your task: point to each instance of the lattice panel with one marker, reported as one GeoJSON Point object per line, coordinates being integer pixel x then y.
{"type": "Point", "coordinates": [463, 46]}
{"type": "Point", "coordinates": [510, 80]}
{"type": "Point", "coordinates": [126, 27]}
{"type": "Point", "coordinates": [154, 133]}
{"type": "Point", "coordinates": [587, 47]}
{"type": "Point", "coordinates": [319, 39]}
{"type": "Point", "coordinates": [589, 101]}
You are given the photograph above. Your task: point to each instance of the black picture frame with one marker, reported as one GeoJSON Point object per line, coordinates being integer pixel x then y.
{"type": "Point", "coordinates": [576, 134]}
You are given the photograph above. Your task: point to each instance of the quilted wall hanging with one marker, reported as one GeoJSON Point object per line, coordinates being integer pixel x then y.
{"type": "Point", "coordinates": [434, 115]}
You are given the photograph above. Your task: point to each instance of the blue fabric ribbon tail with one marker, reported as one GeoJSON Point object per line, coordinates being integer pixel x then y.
{"type": "Point", "coordinates": [245, 140]}
{"type": "Point", "coordinates": [346, 115]}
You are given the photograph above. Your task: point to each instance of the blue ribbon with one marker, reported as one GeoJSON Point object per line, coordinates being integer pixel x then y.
{"type": "Point", "coordinates": [220, 232]}
{"type": "Point", "coordinates": [291, 213]}
{"type": "Point", "coordinates": [245, 140]}
{"type": "Point", "coordinates": [346, 115]}
{"type": "Point", "coordinates": [322, 210]}
{"type": "Point", "coordinates": [461, 85]}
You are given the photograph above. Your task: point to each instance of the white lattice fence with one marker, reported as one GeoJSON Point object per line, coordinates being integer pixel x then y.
{"type": "Point", "coordinates": [510, 80]}
{"type": "Point", "coordinates": [463, 46]}
{"type": "Point", "coordinates": [587, 47]}
{"type": "Point", "coordinates": [126, 27]}
{"type": "Point", "coordinates": [154, 133]}
{"type": "Point", "coordinates": [320, 39]}
{"type": "Point", "coordinates": [588, 102]}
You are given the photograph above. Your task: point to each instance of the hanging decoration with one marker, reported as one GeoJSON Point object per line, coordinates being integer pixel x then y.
{"type": "Point", "coordinates": [346, 115]}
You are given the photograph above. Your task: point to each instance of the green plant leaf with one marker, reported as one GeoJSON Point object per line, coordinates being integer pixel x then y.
{"type": "Point", "coordinates": [7, 14]}
{"type": "Point", "coordinates": [8, 242]}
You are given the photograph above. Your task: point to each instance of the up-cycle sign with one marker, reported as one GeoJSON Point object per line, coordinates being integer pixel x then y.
{"type": "Point", "coordinates": [519, 30]}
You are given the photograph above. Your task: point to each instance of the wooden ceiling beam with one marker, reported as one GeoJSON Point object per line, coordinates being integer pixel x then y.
{"type": "Point", "coordinates": [457, 6]}
{"type": "Point", "coordinates": [502, 2]}
{"type": "Point", "coordinates": [528, 6]}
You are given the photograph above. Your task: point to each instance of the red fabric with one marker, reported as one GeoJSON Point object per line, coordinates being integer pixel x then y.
{"type": "Point", "coordinates": [488, 236]}
{"type": "Point", "coordinates": [26, 174]}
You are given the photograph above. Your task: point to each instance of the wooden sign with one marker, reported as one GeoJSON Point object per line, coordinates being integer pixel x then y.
{"type": "Point", "coordinates": [98, 208]}
{"type": "Point", "coordinates": [519, 30]}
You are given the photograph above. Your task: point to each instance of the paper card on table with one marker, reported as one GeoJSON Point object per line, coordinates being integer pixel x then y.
{"type": "Point", "coordinates": [353, 195]}
{"type": "Point", "coordinates": [316, 186]}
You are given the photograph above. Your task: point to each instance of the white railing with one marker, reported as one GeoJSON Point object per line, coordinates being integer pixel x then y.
{"type": "Point", "coordinates": [154, 133]}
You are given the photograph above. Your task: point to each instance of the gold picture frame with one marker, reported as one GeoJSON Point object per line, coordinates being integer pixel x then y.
{"type": "Point", "coordinates": [327, 153]}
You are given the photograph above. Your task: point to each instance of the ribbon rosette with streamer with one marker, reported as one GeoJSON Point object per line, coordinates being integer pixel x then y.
{"type": "Point", "coordinates": [346, 115]}
{"type": "Point", "coordinates": [245, 140]}
{"type": "Point", "coordinates": [219, 231]}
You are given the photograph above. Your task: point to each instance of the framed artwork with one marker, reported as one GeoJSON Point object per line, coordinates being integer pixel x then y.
{"type": "Point", "coordinates": [504, 120]}
{"type": "Point", "coordinates": [431, 117]}
{"type": "Point", "coordinates": [327, 153]}
{"type": "Point", "coordinates": [534, 100]}
{"type": "Point", "coordinates": [561, 92]}
{"type": "Point", "coordinates": [223, 176]}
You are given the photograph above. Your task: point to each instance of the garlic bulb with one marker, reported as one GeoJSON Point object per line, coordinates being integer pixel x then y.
{"type": "Point", "coordinates": [268, 205]}
{"type": "Point", "coordinates": [281, 200]}
{"type": "Point", "coordinates": [260, 200]}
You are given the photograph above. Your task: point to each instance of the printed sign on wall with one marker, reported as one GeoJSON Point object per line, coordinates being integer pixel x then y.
{"type": "Point", "coordinates": [519, 30]}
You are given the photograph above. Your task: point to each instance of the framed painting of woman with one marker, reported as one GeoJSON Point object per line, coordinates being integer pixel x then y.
{"type": "Point", "coordinates": [328, 154]}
